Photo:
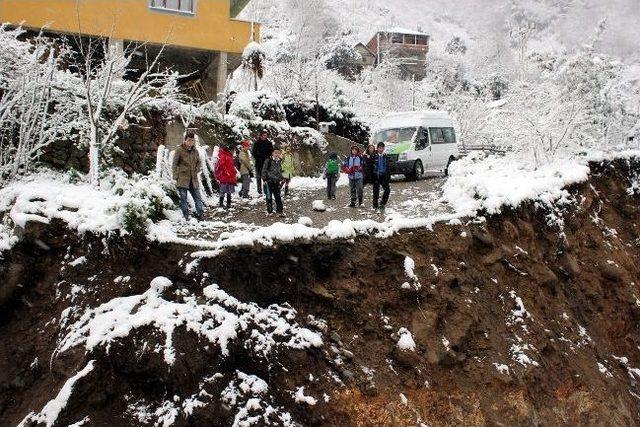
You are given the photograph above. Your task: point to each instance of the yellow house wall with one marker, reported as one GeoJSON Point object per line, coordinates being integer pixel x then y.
{"type": "Point", "coordinates": [209, 28]}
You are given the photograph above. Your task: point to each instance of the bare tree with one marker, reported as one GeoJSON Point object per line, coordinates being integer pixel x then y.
{"type": "Point", "coordinates": [110, 97]}
{"type": "Point", "coordinates": [33, 110]}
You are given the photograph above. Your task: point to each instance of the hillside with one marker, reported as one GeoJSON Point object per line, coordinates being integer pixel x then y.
{"type": "Point", "coordinates": [529, 317]}
{"type": "Point", "coordinates": [562, 24]}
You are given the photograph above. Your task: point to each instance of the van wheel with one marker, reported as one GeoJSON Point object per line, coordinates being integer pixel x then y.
{"type": "Point", "coordinates": [446, 170]}
{"type": "Point", "coordinates": [418, 171]}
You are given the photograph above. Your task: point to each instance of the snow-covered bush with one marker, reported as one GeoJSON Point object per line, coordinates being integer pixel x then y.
{"type": "Point", "coordinates": [580, 105]}
{"type": "Point", "coordinates": [347, 123]}
{"type": "Point", "coordinates": [146, 199]}
{"type": "Point", "coordinates": [254, 112]}
{"type": "Point", "coordinates": [42, 102]}
{"type": "Point", "coordinates": [258, 105]}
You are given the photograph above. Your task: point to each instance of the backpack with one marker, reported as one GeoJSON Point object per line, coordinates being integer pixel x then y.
{"type": "Point", "coordinates": [332, 166]}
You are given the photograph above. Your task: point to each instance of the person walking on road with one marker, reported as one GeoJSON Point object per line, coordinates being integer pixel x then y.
{"type": "Point", "coordinates": [331, 174]}
{"type": "Point", "coordinates": [226, 175]}
{"type": "Point", "coordinates": [272, 177]}
{"type": "Point", "coordinates": [246, 169]}
{"type": "Point", "coordinates": [261, 151]}
{"type": "Point", "coordinates": [382, 177]}
{"type": "Point", "coordinates": [186, 167]}
{"type": "Point", "coordinates": [368, 168]}
{"type": "Point", "coordinates": [352, 166]}
{"type": "Point", "coordinates": [288, 169]}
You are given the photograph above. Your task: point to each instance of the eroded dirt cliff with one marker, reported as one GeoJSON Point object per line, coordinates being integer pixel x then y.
{"type": "Point", "coordinates": [530, 317]}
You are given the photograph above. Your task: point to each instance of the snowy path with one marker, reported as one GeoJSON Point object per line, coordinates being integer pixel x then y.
{"type": "Point", "coordinates": [408, 199]}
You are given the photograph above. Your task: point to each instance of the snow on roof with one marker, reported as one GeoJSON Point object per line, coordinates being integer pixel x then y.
{"type": "Point", "coordinates": [404, 31]}
{"type": "Point", "coordinates": [410, 118]}
{"type": "Point", "coordinates": [398, 30]}
{"type": "Point", "coordinates": [422, 114]}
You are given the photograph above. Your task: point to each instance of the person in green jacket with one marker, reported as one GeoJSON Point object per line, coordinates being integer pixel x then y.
{"type": "Point", "coordinates": [331, 174]}
{"type": "Point", "coordinates": [186, 169]}
{"type": "Point", "coordinates": [288, 170]}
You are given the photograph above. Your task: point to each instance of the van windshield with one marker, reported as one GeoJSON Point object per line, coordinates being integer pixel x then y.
{"type": "Point", "coordinates": [395, 136]}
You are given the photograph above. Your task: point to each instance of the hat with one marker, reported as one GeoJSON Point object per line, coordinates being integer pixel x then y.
{"type": "Point", "coordinates": [246, 144]}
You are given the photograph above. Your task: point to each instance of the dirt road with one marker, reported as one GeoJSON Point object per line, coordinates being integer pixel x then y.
{"type": "Point", "coordinates": [408, 199]}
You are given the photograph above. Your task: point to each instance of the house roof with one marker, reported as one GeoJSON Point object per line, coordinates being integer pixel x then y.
{"type": "Point", "coordinates": [366, 48]}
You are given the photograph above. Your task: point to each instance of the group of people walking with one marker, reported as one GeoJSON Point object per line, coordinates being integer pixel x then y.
{"type": "Point", "coordinates": [273, 170]}
{"type": "Point", "coordinates": [371, 167]}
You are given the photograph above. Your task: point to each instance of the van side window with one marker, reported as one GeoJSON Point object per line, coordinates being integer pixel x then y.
{"type": "Point", "coordinates": [423, 139]}
{"type": "Point", "coordinates": [442, 135]}
{"type": "Point", "coordinates": [449, 135]}
{"type": "Point", "coordinates": [437, 137]}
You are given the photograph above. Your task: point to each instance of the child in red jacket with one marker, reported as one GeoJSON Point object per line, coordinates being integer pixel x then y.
{"type": "Point", "coordinates": [226, 175]}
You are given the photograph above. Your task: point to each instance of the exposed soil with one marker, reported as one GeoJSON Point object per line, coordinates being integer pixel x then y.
{"type": "Point", "coordinates": [521, 319]}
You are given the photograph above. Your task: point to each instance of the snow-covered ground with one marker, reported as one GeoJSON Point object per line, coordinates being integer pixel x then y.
{"type": "Point", "coordinates": [476, 184]}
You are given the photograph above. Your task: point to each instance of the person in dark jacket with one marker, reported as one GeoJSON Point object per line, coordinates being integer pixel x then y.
{"type": "Point", "coordinates": [382, 177]}
{"type": "Point", "coordinates": [272, 177]}
{"type": "Point", "coordinates": [368, 170]}
{"type": "Point", "coordinates": [262, 150]}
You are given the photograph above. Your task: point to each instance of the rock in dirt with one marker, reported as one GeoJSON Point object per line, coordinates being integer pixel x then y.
{"type": "Point", "coordinates": [319, 206]}
{"type": "Point", "coordinates": [612, 272]}
{"type": "Point", "coordinates": [13, 276]}
{"type": "Point", "coordinates": [483, 238]}
{"type": "Point", "coordinates": [569, 265]}
{"type": "Point", "coordinates": [406, 358]}
{"type": "Point", "coordinates": [305, 220]}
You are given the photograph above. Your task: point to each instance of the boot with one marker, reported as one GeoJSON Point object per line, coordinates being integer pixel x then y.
{"type": "Point", "coordinates": [228, 201]}
{"type": "Point", "coordinates": [221, 204]}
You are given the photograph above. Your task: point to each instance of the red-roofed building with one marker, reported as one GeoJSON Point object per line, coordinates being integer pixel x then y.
{"type": "Point", "coordinates": [408, 48]}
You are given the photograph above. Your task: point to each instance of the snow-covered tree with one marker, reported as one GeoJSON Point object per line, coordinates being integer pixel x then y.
{"type": "Point", "coordinates": [253, 60]}
{"type": "Point", "coordinates": [110, 96]}
{"type": "Point", "coordinates": [34, 108]}
{"type": "Point", "coordinates": [345, 60]}
{"type": "Point", "coordinates": [456, 46]}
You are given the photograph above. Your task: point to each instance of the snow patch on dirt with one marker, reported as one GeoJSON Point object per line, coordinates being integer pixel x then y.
{"type": "Point", "coordinates": [49, 414]}
{"type": "Point", "coordinates": [405, 340]}
{"type": "Point", "coordinates": [219, 319]}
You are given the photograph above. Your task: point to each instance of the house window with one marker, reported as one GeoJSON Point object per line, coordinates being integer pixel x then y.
{"type": "Point", "coordinates": [183, 6]}
{"type": "Point", "coordinates": [422, 40]}
{"type": "Point", "coordinates": [409, 39]}
{"type": "Point", "coordinates": [396, 38]}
